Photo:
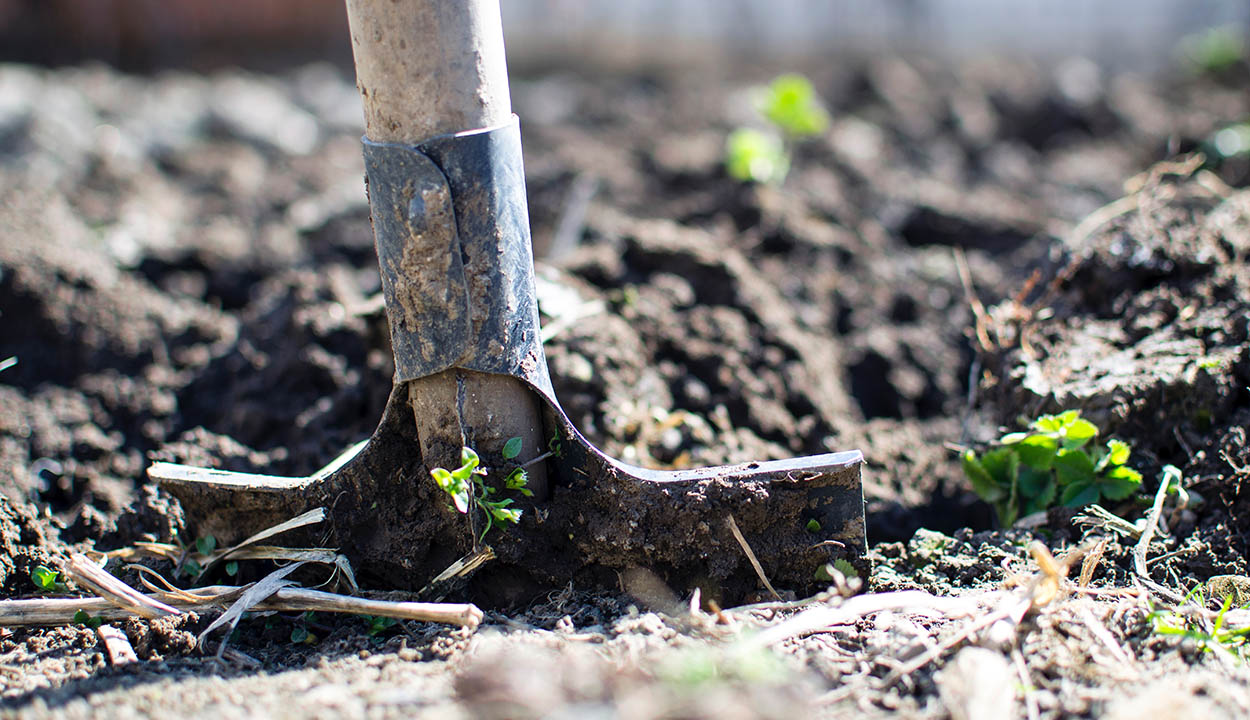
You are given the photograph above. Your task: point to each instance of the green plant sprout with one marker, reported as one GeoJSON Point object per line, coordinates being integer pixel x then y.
{"type": "Point", "coordinates": [379, 625]}
{"type": "Point", "coordinates": [1214, 50]}
{"type": "Point", "coordinates": [300, 634]}
{"type": "Point", "coordinates": [756, 156]}
{"type": "Point", "coordinates": [791, 103]}
{"type": "Point", "coordinates": [466, 487]}
{"type": "Point", "coordinates": [45, 579]}
{"type": "Point", "coordinates": [793, 111]}
{"type": "Point", "coordinates": [1235, 642]}
{"type": "Point", "coordinates": [82, 617]}
{"type": "Point", "coordinates": [1053, 461]}
{"type": "Point", "coordinates": [206, 545]}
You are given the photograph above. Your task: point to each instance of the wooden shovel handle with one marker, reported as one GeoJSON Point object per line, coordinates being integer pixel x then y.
{"type": "Point", "coordinates": [429, 67]}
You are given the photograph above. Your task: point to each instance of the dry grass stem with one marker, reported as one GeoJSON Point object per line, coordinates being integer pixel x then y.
{"type": "Point", "coordinates": [90, 576]}
{"type": "Point", "coordinates": [1026, 684]}
{"type": "Point", "coordinates": [457, 573]}
{"type": "Point", "coordinates": [312, 517]}
{"type": "Point", "coordinates": [116, 646]}
{"type": "Point", "coordinates": [61, 611]}
{"type": "Point", "coordinates": [1143, 546]}
{"type": "Point", "coordinates": [851, 610]}
{"type": "Point", "coordinates": [1090, 564]}
{"type": "Point", "coordinates": [746, 548]}
{"type": "Point", "coordinates": [251, 597]}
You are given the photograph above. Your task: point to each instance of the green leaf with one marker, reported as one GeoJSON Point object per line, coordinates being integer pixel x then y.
{"type": "Point", "coordinates": [1067, 417]}
{"type": "Point", "coordinates": [1048, 424]}
{"type": "Point", "coordinates": [1037, 487]}
{"type": "Point", "coordinates": [192, 568]}
{"type": "Point", "coordinates": [813, 526]}
{"type": "Point", "coordinates": [1074, 466]}
{"type": "Point", "coordinates": [443, 478]}
{"type": "Point", "coordinates": [1079, 494]}
{"type": "Point", "coordinates": [1078, 432]}
{"type": "Point", "coordinates": [468, 459]}
{"type": "Point", "coordinates": [1003, 464]}
{"type": "Point", "coordinates": [1117, 452]}
{"type": "Point", "coordinates": [1120, 485]}
{"type": "Point", "coordinates": [1013, 438]}
{"type": "Point", "coordinates": [512, 448]}
{"type": "Point", "coordinates": [1038, 451]}
{"type": "Point", "coordinates": [1122, 472]}
{"type": "Point", "coordinates": [460, 499]}
{"type": "Point", "coordinates": [378, 624]}
{"type": "Point", "coordinates": [845, 567]}
{"type": "Point", "coordinates": [509, 515]}
{"type": "Point", "coordinates": [983, 484]}
{"type": "Point", "coordinates": [299, 634]}
{"type": "Point", "coordinates": [232, 568]}
{"type": "Point", "coordinates": [791, 103]}
{"type": "Point", "coordinates": [755, 156]}
{"type": "Point", "coordinates": [517, 479]}
{"type": "Point", "coordinates": [44, 578]}
{"type": "Point", "coordinates": [206, 545]}
{"type": "Point", "coordinates": [81, 617]}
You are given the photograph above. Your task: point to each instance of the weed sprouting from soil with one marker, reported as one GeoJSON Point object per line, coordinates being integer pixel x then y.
{"type": "Point", "coordinates": [1215, 636]}
{"type": "Point", "coordinates": [1052, 462]}
{"type": "Point", "coordinates": [467, 487]}
{"type": "Point", "coordinates": [793, 112]}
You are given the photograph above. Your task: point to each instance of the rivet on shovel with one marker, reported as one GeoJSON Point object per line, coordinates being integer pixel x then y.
{"type": "Point", "coordinates": [447, 197]}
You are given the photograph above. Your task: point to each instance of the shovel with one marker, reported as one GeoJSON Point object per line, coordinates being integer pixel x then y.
{"type": "Point", "coordinates": [447, 196]}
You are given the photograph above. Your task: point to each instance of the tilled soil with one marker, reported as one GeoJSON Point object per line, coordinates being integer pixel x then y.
{"type": "Point", "coordinates": [187, 274]}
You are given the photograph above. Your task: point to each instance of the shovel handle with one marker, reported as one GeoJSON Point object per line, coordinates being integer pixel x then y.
{"type": "Point", "coordinates": [429, 67]}
{"type": "Point", "coordinates": [436, 67]}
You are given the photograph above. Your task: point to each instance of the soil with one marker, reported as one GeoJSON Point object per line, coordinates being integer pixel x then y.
{"type": "Point", "coordinates": [187, 274]}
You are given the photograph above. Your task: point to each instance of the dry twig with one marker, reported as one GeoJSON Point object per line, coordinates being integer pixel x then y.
{"type": "Point", "coordinates": [1143, 545]}
{"type": "Point", "coordinates": [94, 578]}
{"type": "Point", "coordinates": [116, 645]}
{"type": "Point", "coordinates": [755, 563]}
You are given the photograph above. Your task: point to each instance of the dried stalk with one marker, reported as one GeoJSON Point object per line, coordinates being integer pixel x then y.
{"type": "Point", "coordinates": [61, 611]}
{"type": "Point", "coordinates": [93, 577]}
{"type": "Point", "coordinates": [755, 562]}
{"type": "Point", "coordinates": [116, 645]}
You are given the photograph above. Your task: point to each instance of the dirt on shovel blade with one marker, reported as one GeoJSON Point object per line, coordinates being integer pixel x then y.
{"type": "Point", "coordinates": [187, 274]}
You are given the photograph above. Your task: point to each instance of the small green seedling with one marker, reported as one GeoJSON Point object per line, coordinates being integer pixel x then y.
{"type": "Point", "coordinates": [206, 545]}
{"type": "Point", "coordinates": [1234, 642]}
{"type": "Point", "coordinates": [45, 579]}
{"type": "Point", "coordinates": [300, 634]}
{"type": "Point", "coordinates": [554, 446]}
{"type": "Point", "coordinates": [1055, 461]}
{"type": "Point", "coordinates": [466, 487]}
{"type": "Point", "coordinates": [512, 448]}
{"type": "Point", "coordinates": [756, 156]}
{"type": "Point", "coordinates": [791, 103]}
{"type": "Point", "coordinates": [232, 568]}
{"type": "Point", "coordinates": [82, 617]}
{"type": "Point", "coordinates": [794, 112]}
{"type": "Point", "coordinates": [379, 624]}
{"type": "Point", "coordinates": [192, 568]}
{"type": "Point", "coordinates": [1214, 50]}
